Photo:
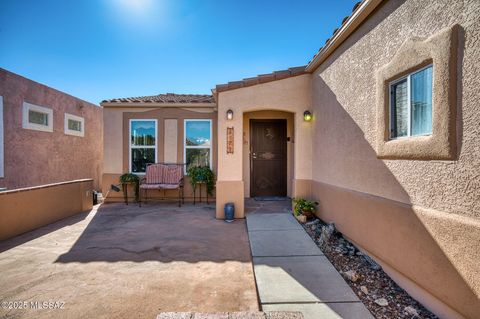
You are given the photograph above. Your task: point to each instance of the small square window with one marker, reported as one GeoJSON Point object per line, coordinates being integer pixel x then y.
{"type": "Point", "coordinates": [411, 104]}
{"type": "Point", "coordinates": [416, 99]}
{"type": "Point", "coordinates": [37, 117]}
{"type": "Point", "coordinates": [74, 125]}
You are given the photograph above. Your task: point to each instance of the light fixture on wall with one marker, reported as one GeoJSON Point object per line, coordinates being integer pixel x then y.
{"type": "Point", "coordinates": [229, 115]}
{"type": "Point", "coordinates": [307, 116]}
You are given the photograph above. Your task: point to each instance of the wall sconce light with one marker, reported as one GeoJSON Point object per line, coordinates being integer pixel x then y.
{"type": "Point", "coordinates": [307, 116]}
{"type": "Point", "coordinates": [229, 115]}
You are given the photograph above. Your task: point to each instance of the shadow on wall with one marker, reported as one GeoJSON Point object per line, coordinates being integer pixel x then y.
{"type": "Point", "coordinates": [438, 255]}
{"type": "Point", "coordinates": [39, 232]}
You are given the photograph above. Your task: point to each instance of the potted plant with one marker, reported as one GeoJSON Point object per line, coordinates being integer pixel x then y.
{"type": "Point", "coordinates": [202, 174]}
{"type": "Point", "coordinates": [303, 207]}
{"type": "Point", "coordinates": [125, 180]}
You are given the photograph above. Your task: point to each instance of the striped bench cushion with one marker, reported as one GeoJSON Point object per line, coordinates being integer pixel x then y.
{"type": "Point", "coordinates": [154, 174]}
{"type": "Point", "coordinates": [160, 176]}
{"type": "Point", "coordinates": [159, 186]}
{"type": "Point", "coordinates": [172, 174]}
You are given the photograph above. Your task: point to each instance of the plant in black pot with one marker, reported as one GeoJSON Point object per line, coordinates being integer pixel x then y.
{"type": "Point", "coordinates": [125, 180]}
{"type": "Point", "coordinates": [202, 174]}
{"type": "Point", "coordinates": [304, 207]}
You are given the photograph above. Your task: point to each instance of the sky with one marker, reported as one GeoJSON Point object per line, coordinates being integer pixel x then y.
{"type": "Point", "coordinates": [102, 49]}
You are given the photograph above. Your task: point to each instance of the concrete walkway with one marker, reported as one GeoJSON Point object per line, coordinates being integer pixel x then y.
{"type": "Point", "coordinates": [291, 272]}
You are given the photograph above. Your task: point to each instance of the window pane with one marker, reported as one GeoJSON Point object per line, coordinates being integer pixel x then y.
{"type": "Point", "coordinates": [141, 157]}
{"type": "Point", "coordinates": [143, 133]}
{"type": "Point", "coordinates": [197, 157]}
{"type": "Point", "coordinates": [421, 96]}
{"type": "Point", "coordinates": [74, 125]}
{"type": "Point", "coordinates": [197, 133]}
{"type": "Point", "coordinates": [399, 109]}
{"type": "Point", "coordinates": [37, 118]}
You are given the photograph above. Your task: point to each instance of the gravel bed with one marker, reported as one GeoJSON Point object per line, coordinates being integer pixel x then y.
{"type": "Point", "coordinates": [380, 294]}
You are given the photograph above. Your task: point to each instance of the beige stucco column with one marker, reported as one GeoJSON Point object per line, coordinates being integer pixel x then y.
{"type": "Point", "coordinates": [289, 95]}
{"type": "Point", "coordinates": [303, 161]}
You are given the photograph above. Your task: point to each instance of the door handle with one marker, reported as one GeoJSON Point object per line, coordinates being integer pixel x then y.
{"type": "Point", "coordinates": [254, 156]}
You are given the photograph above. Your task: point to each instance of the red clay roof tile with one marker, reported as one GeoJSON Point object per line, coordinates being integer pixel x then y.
{"type": "Point", "coordinates": [169, 98]}
{"type": "Point", "coordinates": [262, 78]}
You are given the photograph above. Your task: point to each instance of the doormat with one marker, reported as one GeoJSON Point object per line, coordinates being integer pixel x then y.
{"type": "Point", "coordinates": [270, 198]}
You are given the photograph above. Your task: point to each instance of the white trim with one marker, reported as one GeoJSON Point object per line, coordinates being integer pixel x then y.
{"type": "Point", "coordinates": [2, 147]}
{"type": "Point", "coordinates": [80, 119]}
{"type": "Point", "coordinates": [198, 147]}
{"type": "Point", "coordinates": [409, 104]}
{"type": "Point", "coordinates": [140, 146]}
{"type": "Point", "coordinates": [33, 126]}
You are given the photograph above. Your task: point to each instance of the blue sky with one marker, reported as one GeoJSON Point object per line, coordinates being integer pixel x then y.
{"type": "Point", "coordinates": [100, 49]}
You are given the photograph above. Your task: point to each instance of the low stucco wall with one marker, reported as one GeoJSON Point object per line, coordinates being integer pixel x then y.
{"type": "Point", "coordinates": [431, 253]}
{"type": "Point", "coordinates": [419, 218]}
{"type": "Point", "coordinates": [36, 158]}
{"type": "Point", "coordinates": [25, 209]}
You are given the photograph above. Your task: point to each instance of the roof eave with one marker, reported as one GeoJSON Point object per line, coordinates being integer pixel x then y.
{"type": "Point", "coordinates": [153, 104]}
{"type": "Point", "coordinates": [353, 22]}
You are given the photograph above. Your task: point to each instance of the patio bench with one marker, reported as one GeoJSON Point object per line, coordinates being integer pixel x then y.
{"type": "Point", "coordinates": [163, 176]}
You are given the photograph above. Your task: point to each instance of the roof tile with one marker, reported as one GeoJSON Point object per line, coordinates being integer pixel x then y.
{"type": "Point", "coordinates": [355, 7]}
{"type": "Point", "coordinates": [262, 78]}
{"type": "Point", "coordinates": [169, 98]}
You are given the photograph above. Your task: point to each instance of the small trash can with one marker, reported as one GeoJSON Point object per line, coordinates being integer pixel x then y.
{"type": "Point", "coordinates": [95, 197]}
{"type": "Point", "coordinates": [229, 210]}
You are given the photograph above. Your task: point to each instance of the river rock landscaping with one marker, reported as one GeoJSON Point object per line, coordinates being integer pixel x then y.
{"type": "Point", "coordinates": [380, 294]}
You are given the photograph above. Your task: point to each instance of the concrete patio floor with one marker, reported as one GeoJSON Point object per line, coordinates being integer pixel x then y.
{"type": "Point", "coordinates": [128, 262]}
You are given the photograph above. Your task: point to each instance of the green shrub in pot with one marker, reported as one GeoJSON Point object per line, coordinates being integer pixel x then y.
{"type": "Point", "coordinates": [202, 174]}
{"type": "Point", "coordinates": [304, 207]}
{"type": "Point", "coordinates": [129, 178]}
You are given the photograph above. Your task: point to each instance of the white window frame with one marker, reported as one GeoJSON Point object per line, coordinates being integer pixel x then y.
{"type": "Point", "coordinates": [33, 126]}
{"type": "Point", "coordinates": [2, 147]}
{"type": "Point", "coordinates": [185, 146]}
{"type": "Point", "coordinates": [80, 119]}
{"type": "Point", "coordinates": [409, 100]}
{"type": "Point", "coordinates": [130, 146]}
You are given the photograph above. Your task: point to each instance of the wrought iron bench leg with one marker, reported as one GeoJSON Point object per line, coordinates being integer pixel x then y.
{"type": "Point", "coordinates": [179, 197]}
{"type": "Point", "coordinates": [140, 197]}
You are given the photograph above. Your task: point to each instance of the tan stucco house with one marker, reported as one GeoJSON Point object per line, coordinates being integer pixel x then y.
{"type": "Point", "coordinates": [391, 153]}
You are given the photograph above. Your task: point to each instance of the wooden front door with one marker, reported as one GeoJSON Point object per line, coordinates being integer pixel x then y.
{"type": "Point", "coordinates": [268, 158]}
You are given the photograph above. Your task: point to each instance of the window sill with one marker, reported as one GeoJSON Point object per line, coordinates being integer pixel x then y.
{"type": "Point", "coordinates": [423, 147]}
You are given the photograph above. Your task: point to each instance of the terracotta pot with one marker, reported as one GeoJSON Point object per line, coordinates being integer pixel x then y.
{"type": "Point", "coordinates": [308, 214]}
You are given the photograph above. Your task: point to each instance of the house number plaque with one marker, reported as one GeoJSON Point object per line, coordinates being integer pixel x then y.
{"type": "Point", "coordinates": [229, 140]}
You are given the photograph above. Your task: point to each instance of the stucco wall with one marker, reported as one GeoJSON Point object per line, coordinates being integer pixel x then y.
{"type": "Point", "coordinates": [36, 158]}
{"type": "Point", "coordinates": [26, 209]}
{"type": "Point", "coordinates": [289, 95]}
{"type": "Point", "coordinates": [344, 99]}
{"type": "Point", "coordinates": [116, 146]}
